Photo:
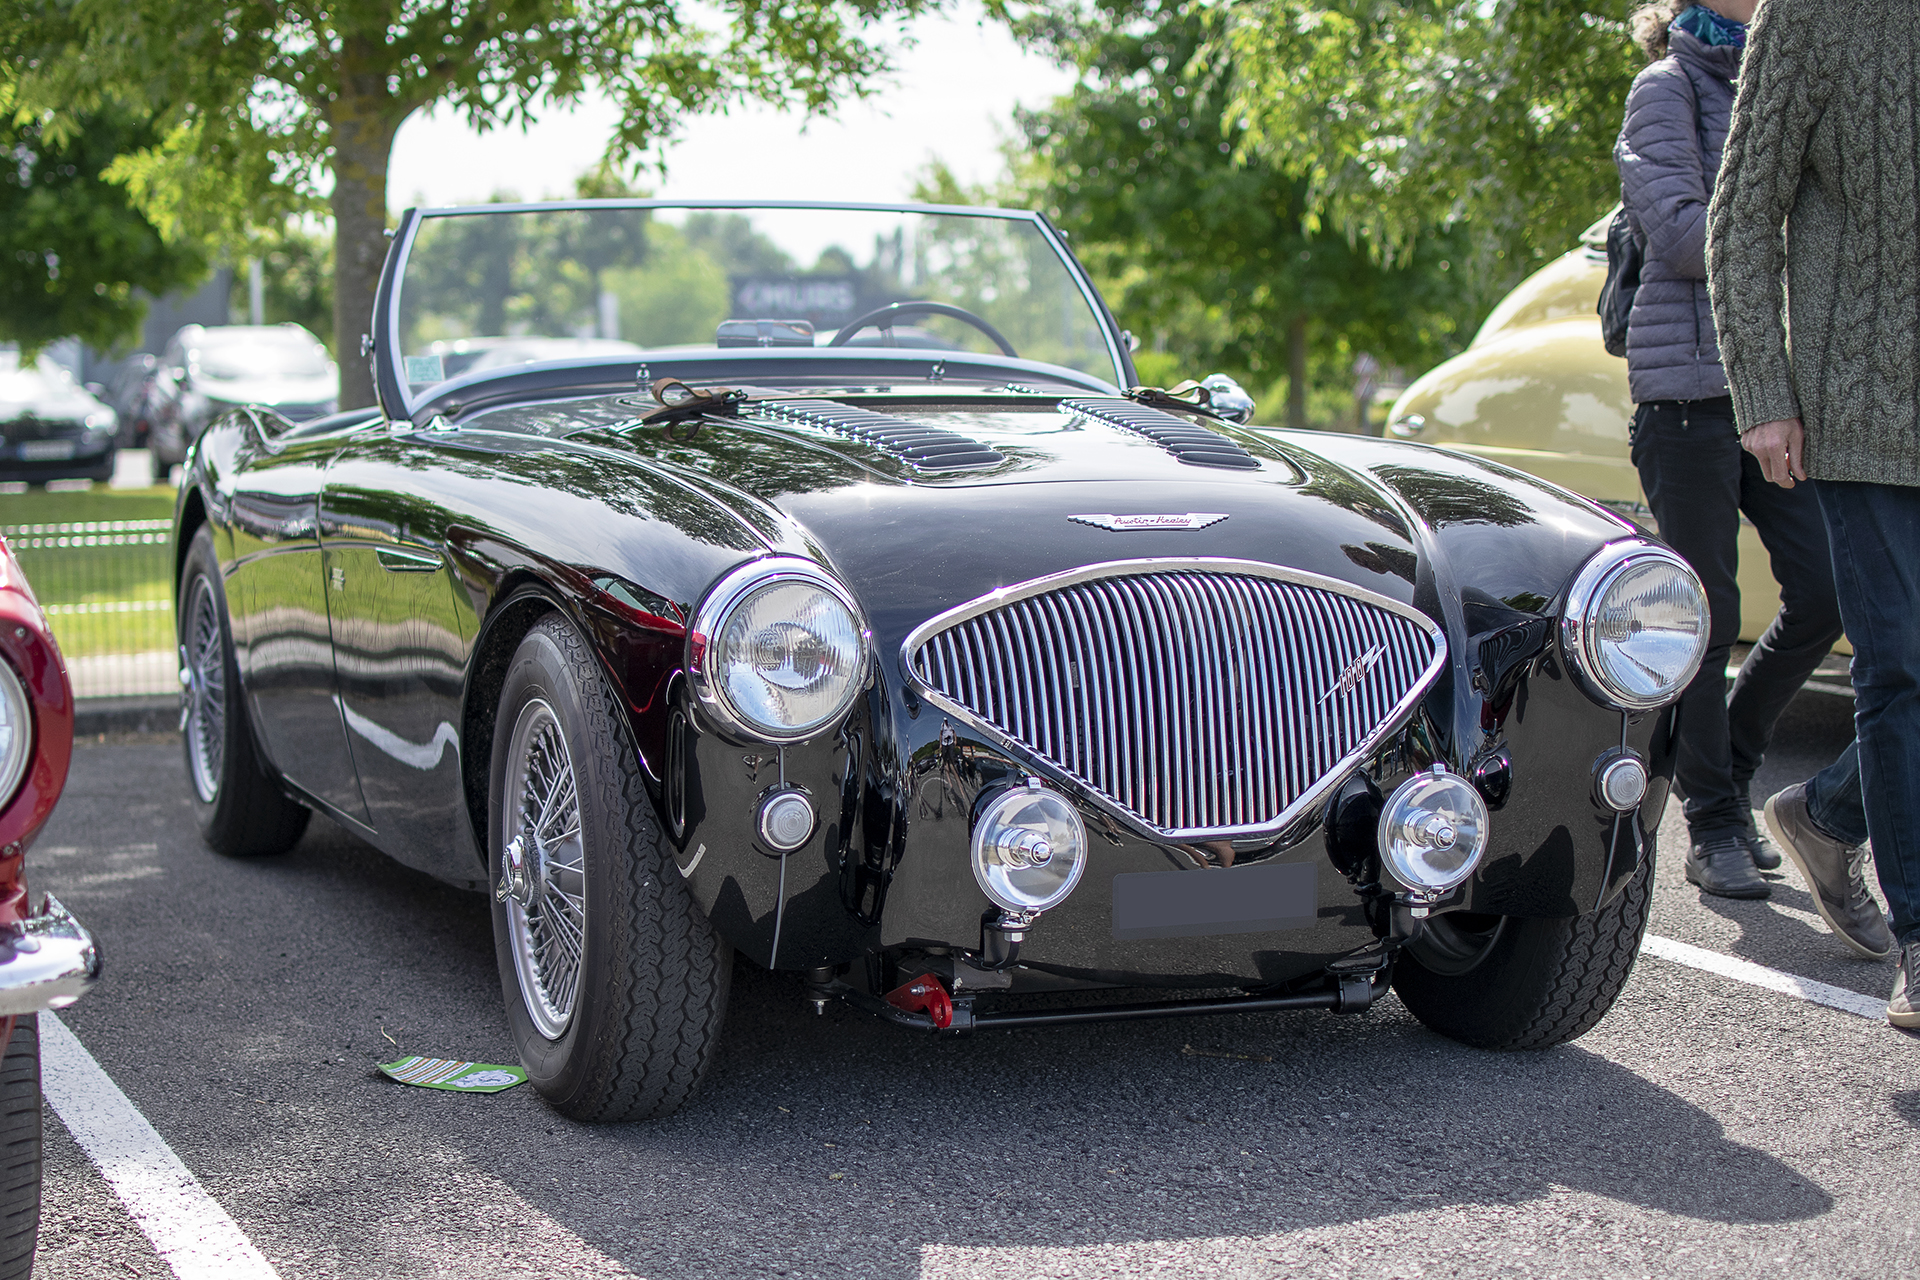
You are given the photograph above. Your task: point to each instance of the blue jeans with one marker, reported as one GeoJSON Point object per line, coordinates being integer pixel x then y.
{"type": "Point", "coordinates": [1833, 798]}
{"type": "Point", "coordinates": [1875, 531]}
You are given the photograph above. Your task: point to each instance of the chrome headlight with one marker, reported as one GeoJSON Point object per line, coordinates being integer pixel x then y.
{"type": "Point", "coordinates": [1635, 626]}
{"type": "Point", "coordinates": [779, 649]}
{"type": "Point", "coordinates": [1029, 848]}
{"type": "Point", "coordinates": [16, 732]}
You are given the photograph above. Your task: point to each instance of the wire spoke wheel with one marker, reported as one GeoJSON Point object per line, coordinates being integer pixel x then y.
{"type": "Point", "coordinates": [204, 666]}
{"type": "Point", "coordinates": [547, 919]}
{"type": "Point", "coordinates": [615, 981]}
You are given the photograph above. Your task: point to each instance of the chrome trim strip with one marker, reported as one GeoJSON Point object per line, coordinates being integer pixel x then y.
{"type": "Point", "coordinates": [1123, 627]}
{"type": "Point", "coordinates": [47, 961]}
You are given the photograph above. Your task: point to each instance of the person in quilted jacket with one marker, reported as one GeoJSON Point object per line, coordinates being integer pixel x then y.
{"type": "Point", "coordinates": [1697, 479]}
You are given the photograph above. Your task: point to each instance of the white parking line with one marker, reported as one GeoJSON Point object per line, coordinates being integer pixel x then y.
{"type": "Point", "coordinates": [191, 1233]}
{"type": "Point", "coordinates": [1759, 975]}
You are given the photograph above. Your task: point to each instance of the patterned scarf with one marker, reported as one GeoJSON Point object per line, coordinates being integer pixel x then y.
{"type": "Point", "coordinates": [1708, 27]}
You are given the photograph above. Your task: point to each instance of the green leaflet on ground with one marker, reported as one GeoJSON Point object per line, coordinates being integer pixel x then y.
{"type": "Point", "coordinates": [460, 1077]}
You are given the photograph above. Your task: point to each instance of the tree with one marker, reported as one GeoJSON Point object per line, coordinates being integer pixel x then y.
{"type": "Point", "coordinates": [1209, 253]}
{"type": "Point", "coordinates": [278, 107]}
{"type": "Point", "coordinates": [73, 248]}
{"type": "Point", "coordinates": [296, 273]}
{"type": "Point", "coordinates": [1497, 116]}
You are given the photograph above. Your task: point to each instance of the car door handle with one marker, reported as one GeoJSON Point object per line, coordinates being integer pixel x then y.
{"type": "Point", "coordinates": [407, 560]}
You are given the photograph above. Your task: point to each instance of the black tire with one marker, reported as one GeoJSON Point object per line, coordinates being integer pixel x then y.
{"type": "Point", "coordinates": [634, 1035]}
{"type": "Point", "coordinates": [20, 1149]}
{"type": "Point", "coordinates": [241, 810]}
{"type": "Point", "coordinates": [1504, 982]}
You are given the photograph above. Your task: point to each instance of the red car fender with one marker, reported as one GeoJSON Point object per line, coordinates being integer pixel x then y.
{"type": "Point", "coordinates": [29, 648]}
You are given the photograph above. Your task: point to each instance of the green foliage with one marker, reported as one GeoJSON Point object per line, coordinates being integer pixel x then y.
{"type": "Point", "coordinates": [256, 95]}
{"type": "Point", "coordinates": [1207, 251]}
{"type": "Point", "coordinates": [271, 108]}
{"type": "Point", "coordinates": [296, 270]}
{"type": "Point", "coordinates": [73, 248]}
{"type": "Point", "coordinates": [1496, 116]}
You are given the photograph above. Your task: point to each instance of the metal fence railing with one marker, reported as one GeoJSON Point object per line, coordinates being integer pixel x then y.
{"type": "Point", "coordinates": [107, 587]}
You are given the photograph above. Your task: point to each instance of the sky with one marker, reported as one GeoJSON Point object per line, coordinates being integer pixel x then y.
{"type": "Point", "coordinates": [952, 98]}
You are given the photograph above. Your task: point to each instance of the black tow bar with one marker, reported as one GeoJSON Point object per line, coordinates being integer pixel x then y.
{"type": "Point", "coordinates": [1349, 992]}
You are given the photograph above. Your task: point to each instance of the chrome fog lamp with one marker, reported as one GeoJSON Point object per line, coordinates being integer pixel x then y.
{"type": "Point", "coordinates": [1433, 831]}
{"type": "Point", "coordinates": [16, 732]}
{"type": "Point", "coordinates": [1029, 848]}
{"type": "Point", "coordinates": [779, 650]}
{"type": "Point", "coordinates": [1636, 626]}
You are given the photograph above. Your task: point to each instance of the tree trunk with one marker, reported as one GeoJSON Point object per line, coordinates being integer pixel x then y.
{"type": "Point", "coordinates": [364, 118]}
{"type": "Point", "coordinates": [1297, 373]}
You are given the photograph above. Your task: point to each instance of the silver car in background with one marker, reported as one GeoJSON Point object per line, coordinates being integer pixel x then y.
{"type": "Point", "coordinates": [209, 369]}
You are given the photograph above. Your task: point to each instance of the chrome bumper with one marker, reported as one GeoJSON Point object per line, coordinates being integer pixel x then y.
{"type": "Point", "coordinates": [47, 961]}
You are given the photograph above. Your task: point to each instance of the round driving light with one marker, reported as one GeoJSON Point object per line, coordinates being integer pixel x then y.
{"type": "Point", "coordinates": [1029, 849]}
{"type": "Point", "coordinates": [1636, 625]}
{"type": "Point", "coordinates": [1433, 831]}
{"type": "Point", "coordinates": [778, 649]}
{"type": "Point", "coordinates": [786, 820]}
{"type": "Point", "coordinates": [1623, 783]}
{"type": "Point", "coordinates": [16, 732]}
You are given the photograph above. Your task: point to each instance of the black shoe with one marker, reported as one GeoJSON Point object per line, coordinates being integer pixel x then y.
{"type": "Point", "coordinates": [1722, 867]}
{"type": "Point", "coordinates": [1836, 874]}
{"type": "Point", "coordinates": [1766, 855]}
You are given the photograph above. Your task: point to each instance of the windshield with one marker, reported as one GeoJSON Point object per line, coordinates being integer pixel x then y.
{"type": "Point", "coordinates": [489, 290]}
{"type": "Point", "coordinates": [261, 355]}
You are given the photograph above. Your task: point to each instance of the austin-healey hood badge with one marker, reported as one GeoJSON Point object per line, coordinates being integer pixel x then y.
{"type": "Point", "coordinates": [1129, 523]}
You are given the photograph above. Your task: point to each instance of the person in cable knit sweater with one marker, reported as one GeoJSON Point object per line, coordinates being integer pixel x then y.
{"type": "Point", "coordinates": [1813, 262]}
{"type": "Point", "coordinates": [1684, 445]}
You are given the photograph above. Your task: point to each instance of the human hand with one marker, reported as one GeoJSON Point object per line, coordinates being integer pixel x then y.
{"type": "Point", "coordinates": [1778, 447]}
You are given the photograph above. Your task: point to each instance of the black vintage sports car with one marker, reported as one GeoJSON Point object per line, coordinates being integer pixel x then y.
{"type": "Point", "coordinates": [943, 672]}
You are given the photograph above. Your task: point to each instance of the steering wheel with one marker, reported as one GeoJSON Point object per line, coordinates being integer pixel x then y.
{"type": "Point", "coordinates": [894, 312]}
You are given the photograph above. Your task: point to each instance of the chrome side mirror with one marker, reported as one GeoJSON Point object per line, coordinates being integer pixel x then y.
{"type": "Point", "coordinates": [1230, 400]}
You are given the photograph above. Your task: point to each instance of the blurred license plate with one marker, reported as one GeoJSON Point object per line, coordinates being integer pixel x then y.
{"type": "Point", "coordinates": [1202, 903]}
{"type": "Point", "coordinates": [46, 450]}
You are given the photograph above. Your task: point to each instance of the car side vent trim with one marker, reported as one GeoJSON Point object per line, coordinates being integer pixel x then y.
{"type": "Point", "coordinates": [922, 447]}
{"type": "Point", "coordinates": [1190, 442]}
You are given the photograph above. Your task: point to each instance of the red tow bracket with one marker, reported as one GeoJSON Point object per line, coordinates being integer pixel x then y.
{"type": "Point", "coordinates": [924, 995]}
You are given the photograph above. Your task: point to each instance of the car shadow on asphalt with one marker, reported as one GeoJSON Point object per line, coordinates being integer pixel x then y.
{"type": "Point", "coordinates": [1096, 1135]}
{"type": "Point", "coordinates": [1229, 1126]}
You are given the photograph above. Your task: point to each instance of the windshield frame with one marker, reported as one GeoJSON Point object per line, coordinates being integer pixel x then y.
{"type": "Point", "coordinates": [398, 401]}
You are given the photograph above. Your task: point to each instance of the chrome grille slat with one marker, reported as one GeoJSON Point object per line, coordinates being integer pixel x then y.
{"type": "Point", "coordinates": [1195, 701]}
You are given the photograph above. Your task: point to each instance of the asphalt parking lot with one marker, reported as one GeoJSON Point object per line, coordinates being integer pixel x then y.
{"type": "Point", "coordinates": [1708, 1127]}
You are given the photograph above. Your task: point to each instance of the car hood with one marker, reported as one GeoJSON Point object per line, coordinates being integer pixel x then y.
{"type": "Point", "coordinates": [912, 542]}
{"type": "Point", "coordinates": [269, 391]}
{"type": "Point", "coordinates": [36, 398]}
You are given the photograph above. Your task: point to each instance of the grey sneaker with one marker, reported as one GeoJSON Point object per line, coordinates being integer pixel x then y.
{"type": "Point", "coordinates": [1900, 1008]}
{"type": "Point", "coordinates": [1835, 872]}
{"type": "Point", "coordinates": [1722, 867]}
{"type": "Point", "coordinates": [1766, 854]}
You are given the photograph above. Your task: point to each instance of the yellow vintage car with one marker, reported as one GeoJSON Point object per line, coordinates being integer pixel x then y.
{"type": "Point", "coordinates": [1536, 389]}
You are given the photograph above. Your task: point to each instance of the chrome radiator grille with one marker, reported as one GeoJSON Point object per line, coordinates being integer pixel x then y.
{"type": "Point", "coordinates": [1200, 702]}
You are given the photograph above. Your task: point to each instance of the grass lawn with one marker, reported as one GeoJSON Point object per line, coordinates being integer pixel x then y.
{"type": "Point", "coordinates": [37, 506]}
{"type": "Point", "coordinates": [132, 571]}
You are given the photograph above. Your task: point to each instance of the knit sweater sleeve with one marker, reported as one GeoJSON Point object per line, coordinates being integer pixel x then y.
{"type": "Point", "coordinates": [1779, 103]}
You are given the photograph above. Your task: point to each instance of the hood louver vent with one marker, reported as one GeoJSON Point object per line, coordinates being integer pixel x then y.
{"type": "Point", "coordinates": [922, 447]}
{"type": "Point", "coordinates": [1190, 442]}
